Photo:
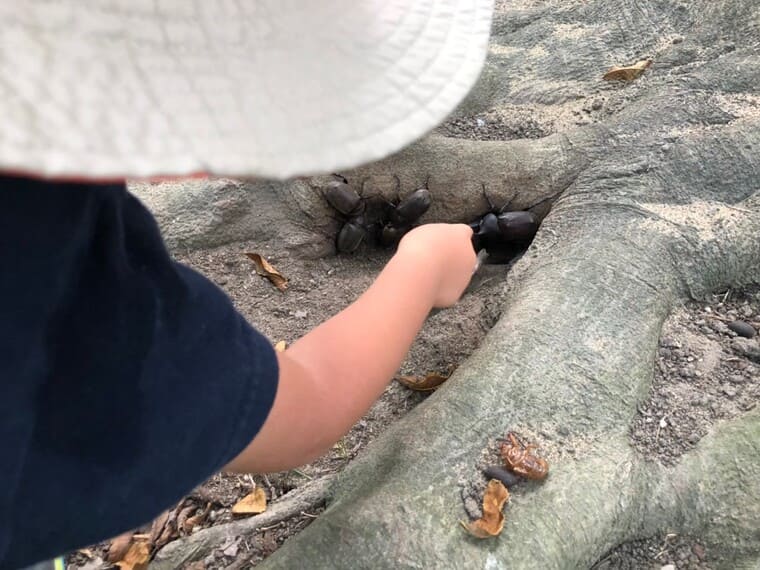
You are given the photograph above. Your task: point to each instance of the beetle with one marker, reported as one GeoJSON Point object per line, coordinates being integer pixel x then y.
{"type": "Point", "coordinates": [343, 198]}
{"type": "Point", "coordinates": [372, 218]}
{"type": "Point", "coordinates": [402, 215]}
{"type": "Point", "coordinates": [503, 234]}
{"type": "Point", "coordinates": [521, 460]}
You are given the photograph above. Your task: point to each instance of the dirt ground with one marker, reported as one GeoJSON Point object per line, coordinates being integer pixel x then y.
{"type": "Point", "coordinates": [705, 373]}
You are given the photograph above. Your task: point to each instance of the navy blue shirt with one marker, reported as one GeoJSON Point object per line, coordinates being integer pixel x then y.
{"type": "Point", "coordinates": [126, 378]}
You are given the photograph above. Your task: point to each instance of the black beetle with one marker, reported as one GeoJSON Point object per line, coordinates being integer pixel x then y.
{"type": "Point", "coordinates": [411, 208]}
{"type": "Point", "coordinates": [504, 235]}
{"type": "Point", "coordinates": [517, 226]}
{"type": "Point", "coordinates": [343, 198]}
{"type": "Point", "coordinates": [373, 218]}
{"type": "Point", "coordinates": [351, 236]}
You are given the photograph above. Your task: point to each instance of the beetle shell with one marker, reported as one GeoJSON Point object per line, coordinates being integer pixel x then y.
{"type": "Point", "coordinates": [343, 198]}
{"type": "Point", "coordinates": [411, 208]}
{"type": "Point", "coordinates": [521, 460]}
{"type": "Point", "coordinates": [350, 236]}
{"type": "Point", "coordinates": [517, 226]}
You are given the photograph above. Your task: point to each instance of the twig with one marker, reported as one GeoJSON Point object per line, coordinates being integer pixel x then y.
{"type": "Point", "coordinates": [197, 546]}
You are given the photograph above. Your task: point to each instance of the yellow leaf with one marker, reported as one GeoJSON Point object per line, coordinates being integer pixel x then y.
{"type": "Point", "coordinates": [492, 521]}
{"type": "Point", "coordinates": [430, 381]}
{"type": "Point", "coordinates": [281, 346]}
{"type": "Point", "coordinates": [136, 558]}
{"type": "Point", "coordinates": [628, 73]}
{"type": "Point", "coordinates": [263, 267]}
{"type": "Point", "coordinates": [252, 504]}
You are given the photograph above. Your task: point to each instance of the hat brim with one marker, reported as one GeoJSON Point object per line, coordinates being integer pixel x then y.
{"type": "Point", "coordinates": [268, 88]}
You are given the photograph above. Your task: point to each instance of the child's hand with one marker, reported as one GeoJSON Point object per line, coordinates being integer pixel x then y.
{"type": "Point", "coordinates": [446, 251]}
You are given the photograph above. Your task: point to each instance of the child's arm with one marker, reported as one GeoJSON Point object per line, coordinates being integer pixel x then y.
{"type": "Point", "coordinates": [329, 378]}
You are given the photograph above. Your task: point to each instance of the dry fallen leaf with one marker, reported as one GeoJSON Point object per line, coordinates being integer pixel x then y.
{"type": "Point", "coordinates": [119, 547]}
{"type": "Point", "coordinates": [252, 504]}
{"type": "Point", "coordinates": [281, 346]}
{"type": "Point", "coordinates": [263, 267]}
{"type": "Point", "coordinates": [492, 521]}
{"type": "Point", "coordinates": [627, 73]}
{"type": "Point", "coordinates": [196, 519]}
{"type": "Point", "coordinates": [430, 381]}
{"type": "Point", "coordinates": [157, 527]}
{"type": "Point", "coordinates": [137, 557]}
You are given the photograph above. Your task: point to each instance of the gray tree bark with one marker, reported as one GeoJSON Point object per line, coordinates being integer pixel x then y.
{"type": "Point", "coordinates": [654, 200]}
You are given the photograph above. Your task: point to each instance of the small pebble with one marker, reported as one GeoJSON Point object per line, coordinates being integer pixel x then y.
{"type": "Point", "coordinates": [742, 329]}
{"type": "Point", "coordinates": [699, 551]}
{"type": "Point", "coordinates": [728, 390]}
{"type": "Point", "coordinates": [668, 567]}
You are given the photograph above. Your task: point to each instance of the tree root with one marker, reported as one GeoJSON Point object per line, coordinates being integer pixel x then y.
{"type": "Point", "coordinates": [199, 545]}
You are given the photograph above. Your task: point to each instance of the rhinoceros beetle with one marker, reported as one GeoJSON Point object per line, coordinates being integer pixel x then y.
{"type": "Point", "coordinates": [382, 221]}
{"type": "Point", "coordinates": [343, 198]}
{"type": "Point", "coordinates": [503, 234]}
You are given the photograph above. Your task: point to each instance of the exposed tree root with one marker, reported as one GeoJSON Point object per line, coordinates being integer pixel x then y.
{"type": "Point", "coordinates": [199, 545]}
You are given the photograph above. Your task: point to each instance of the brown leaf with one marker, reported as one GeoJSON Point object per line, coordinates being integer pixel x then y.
{"type": "Point", "coordinates": [252, 504]}
{"type": "Point", "coordinates": [119, 547]}
{"type": "Point", "coordinates": [184, 514]}
{"type": "Point", "coordinates": [137, 557]}
{"type": "Point", "coordinates": [492, 521]}
{"type": "Point", "coordinates": [169, 533]}
{"type": "Point", "coordinates": [430, 381]}
{"type": "Point", "coordinates": [628, 73]}
{"type": "Point", "coordinates": [196, 519]}
{"type": "Point", "coordinates": [157, 527]}
{"type": "Point", "coordinates": [280, 346]}
{"type": "Point", "coordinates": [263, 267]}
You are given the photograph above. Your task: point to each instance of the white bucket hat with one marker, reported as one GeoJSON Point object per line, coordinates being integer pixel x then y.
{"type": "Point", "coordinates": [271, 88]}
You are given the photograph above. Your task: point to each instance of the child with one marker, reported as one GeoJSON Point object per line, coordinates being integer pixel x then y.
{"type": "Point", "coordinates": [126, 378]}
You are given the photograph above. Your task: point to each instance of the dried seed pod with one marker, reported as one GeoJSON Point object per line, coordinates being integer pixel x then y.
{"type": "Point", "coordinates": [497, 472]}
{"type": "Point", "coordinates": [742, 329]}
{"type": "Point", "coordinates": [343, 198]}
{"type": "Point", "coordinates": [517, 226]}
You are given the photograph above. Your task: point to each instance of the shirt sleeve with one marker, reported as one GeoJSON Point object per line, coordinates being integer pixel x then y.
{"type": "Point", "coordinates": [128, 378]}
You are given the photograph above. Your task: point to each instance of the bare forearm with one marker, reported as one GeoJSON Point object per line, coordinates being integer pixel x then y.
{"type": "Point", "coordinates": [330, 377]}
{"type": "Point", "coordinates": [358, 351]}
